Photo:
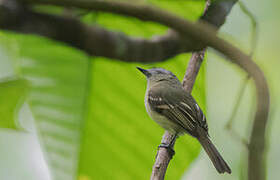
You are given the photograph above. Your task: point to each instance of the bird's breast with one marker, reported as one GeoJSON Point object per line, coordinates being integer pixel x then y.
{"type": "Point", "coordinates": [160, 119]}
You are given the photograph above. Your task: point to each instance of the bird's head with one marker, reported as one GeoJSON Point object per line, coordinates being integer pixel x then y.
{"type": "Point", "coordinates": [154, 75]}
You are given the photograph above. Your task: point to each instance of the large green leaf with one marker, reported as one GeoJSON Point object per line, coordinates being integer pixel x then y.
{"type": "Point", "coordinates": [58, 77]}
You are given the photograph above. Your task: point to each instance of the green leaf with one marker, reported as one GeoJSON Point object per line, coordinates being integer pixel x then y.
{"type": "Point", "coordinates": [12, 96]}
{"type": "Point", "coordinates": [58, 77]}
{"type": "Point", "coordinates": [190, 10]}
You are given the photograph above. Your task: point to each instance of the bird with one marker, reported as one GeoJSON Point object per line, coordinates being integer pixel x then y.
{"type": "Point", "coordinates": [175, 110]}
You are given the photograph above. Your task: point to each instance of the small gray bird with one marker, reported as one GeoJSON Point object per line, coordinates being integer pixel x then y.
{"type": "Point", "coordinates": [175, 110]}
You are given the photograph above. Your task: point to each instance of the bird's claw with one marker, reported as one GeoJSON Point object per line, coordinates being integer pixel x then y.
{"type": "Point", "coordinates": [168, 147]}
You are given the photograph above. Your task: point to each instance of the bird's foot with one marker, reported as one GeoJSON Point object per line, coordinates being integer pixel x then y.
{"type": "Point", "coordinates": [169, 148]}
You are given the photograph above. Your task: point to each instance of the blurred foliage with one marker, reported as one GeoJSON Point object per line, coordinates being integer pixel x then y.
{"type": "Point", "coordinates": [90, 116]}
{"type": "Point", "coordinates": [58, 77]}
{"type": "Point", "coordinates": [12, 95]}
{"type": "Point", "coordinates": [186, 9]}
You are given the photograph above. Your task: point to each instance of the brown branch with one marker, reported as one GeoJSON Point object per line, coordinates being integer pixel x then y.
{"type": "Point", "coordinates": [197, 57]}
{"type": "Point", "coordinates": [192, 70]}
{"type": "Point", "coordinates": [162, 159]}
{"type": "Point", "coordinates": [93, 40]}
{"type": "Point", "coordinates": [97, 41]}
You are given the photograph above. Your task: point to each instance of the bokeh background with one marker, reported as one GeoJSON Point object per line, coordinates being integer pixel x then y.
{"type": "Point", "coordinates": [93, 108]}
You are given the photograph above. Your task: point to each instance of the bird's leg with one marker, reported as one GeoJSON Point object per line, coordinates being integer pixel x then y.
{"type": "Point", "coordinates": [169, 147]}
{"type": "Point", "coordinates": [173, 140]}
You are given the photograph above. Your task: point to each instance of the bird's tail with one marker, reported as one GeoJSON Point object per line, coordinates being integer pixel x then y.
{"type": "Point", "coordinates": [214, 155]}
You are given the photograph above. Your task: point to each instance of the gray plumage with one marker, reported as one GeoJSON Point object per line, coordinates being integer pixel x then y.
{"type": "Point", "coordinates": [175, 110]}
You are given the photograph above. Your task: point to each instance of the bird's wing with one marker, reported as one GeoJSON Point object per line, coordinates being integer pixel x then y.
{"type": "Point", "coordinates": [178, 106]}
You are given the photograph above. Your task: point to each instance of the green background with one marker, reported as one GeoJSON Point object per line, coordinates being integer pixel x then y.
{"type": "Point", "coordinates": [88, 113]}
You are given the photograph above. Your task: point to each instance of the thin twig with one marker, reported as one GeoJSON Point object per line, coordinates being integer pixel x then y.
{"type": "Point", "coordinates": [254, 38]}
{"type": "Point", "coordinates": [254, 26]}
{"type": "Point", "coordinates": [229, 125]}
{"type": "Point", "coordinates": [192, 70]}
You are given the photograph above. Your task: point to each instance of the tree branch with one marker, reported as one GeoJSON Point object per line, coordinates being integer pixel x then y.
{"type": "Point", "coordinates": [192, 70]}
{"type": "Point", "coordinates": [97, 41]}
{"type": "Point", "coordinates": [162, 159]}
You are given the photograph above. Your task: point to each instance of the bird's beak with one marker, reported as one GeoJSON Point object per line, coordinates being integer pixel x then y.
{"type": "Point", "coordinates": [144, 71]}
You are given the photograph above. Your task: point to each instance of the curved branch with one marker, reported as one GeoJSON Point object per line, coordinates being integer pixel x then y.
{"type": "Point", "coordinates": [97, 41]}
